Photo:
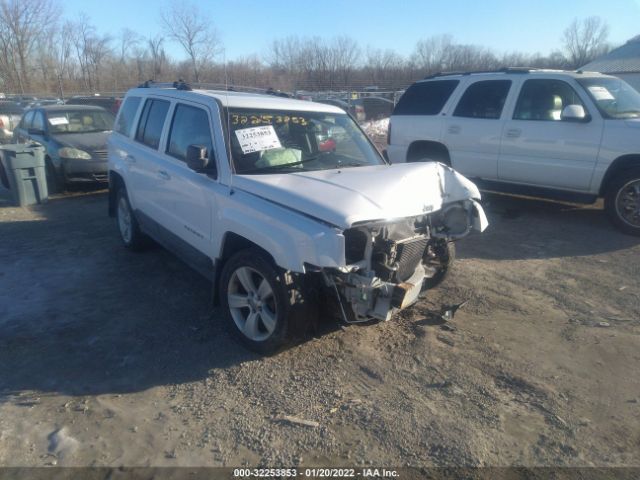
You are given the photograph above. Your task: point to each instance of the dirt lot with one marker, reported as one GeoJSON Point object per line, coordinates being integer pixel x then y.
{"type": "Point", "coordinates": [114, 358]}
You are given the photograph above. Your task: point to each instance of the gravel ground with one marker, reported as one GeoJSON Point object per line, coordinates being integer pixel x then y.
{"type": "Point", "coordinates": [113, 358]}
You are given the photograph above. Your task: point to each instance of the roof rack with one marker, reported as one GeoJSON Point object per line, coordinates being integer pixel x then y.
{"type": "Point", "coordinates": [472, 72]}
{"type": "Point", "coordinates": [179, 85]}
{"type": "Point", "coordinates": [182, 85]}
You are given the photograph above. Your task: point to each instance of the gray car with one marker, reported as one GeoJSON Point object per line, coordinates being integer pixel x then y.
{"type": "Point", "coordinates": [75, 139]}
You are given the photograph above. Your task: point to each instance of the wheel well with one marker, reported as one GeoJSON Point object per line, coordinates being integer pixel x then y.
{"type": "Point", "coordinates": [421, 150]}
{"type": "Point", "coordinates": [233, 243]}
{"type": "Point", "coordinates": [619, 165]}
{"type": "Point", "coordinates": [115, 181]}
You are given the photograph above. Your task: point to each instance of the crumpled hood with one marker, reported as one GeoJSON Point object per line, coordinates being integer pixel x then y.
{"type": "Point", "coordinates": [352, 195]}
{"type": "Point", "coordinates": [84, 141]}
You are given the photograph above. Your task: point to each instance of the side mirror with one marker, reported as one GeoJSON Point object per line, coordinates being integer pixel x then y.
{"type": "Point", "coordinates": [198, 158]}
{"type": "Point", "coordinates": [574, 113]}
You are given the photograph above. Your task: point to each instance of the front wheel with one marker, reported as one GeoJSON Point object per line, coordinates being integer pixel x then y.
{"type": "Point", "coordinates": [439, 258]}
{"type": "Point", "coordinates": [55, 183]}
{"type": "Point", "coordinates": [622, 202]}
{"type": "Point", "coordinates": [257, 301]}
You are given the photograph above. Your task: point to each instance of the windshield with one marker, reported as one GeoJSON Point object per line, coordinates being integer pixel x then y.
{"type": "Point", "coordinates": [614, 97]}
{"type": "Point", "coordinates": [79, 121]}
{"type": "Point", "coordinates": [284, 141]}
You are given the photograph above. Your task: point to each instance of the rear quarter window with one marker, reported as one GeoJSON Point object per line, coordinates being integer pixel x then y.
{"type": "Point", "coordinates": [425, 98]}
{"type": "Point", "coordinates": [126, 116]}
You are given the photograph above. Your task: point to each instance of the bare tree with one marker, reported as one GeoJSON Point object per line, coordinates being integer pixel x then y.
{"type": "Point", "coordinates": [585, 40]}
{"type": "Point", "coordinates": [194, 31]}
{"type": "Point", "coordinates": [432, 54]}
{"type": "Point", "coordinates": [22, 22]}
{"type": "Point", "coordinates": [384, 68]}
{"type": "Point", "coordinates": [128, 39]}
{"type": "Point", "coordinates": [345, 53]}
{"type": "Point", "coordinates": [92, 49]}
{"type": "Point", "coordinates": [158, 56]}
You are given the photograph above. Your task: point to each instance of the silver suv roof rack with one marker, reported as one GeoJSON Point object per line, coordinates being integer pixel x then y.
{"type": "Point", "coordinates": [179, 85]}
{"type": "Point", "coordinates": [182, 85]}
{"type": "Point", "coordinates": [473, 72]}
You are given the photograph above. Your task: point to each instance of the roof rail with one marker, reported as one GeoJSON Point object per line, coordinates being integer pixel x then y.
{"type": "Point", "coordinates": [237, 88]}
{"type": "Point", "coordinates": [472, 72]}
{"type": "Point", "coordinates": [179, 85]}
{"type": "Point", "coordinates": [182, 85]}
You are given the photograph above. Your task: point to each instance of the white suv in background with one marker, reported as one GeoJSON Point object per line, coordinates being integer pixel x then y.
{"type": "Point", "coordinates": [285, 205]}
{"type": "Point", "coordinates": [564, 135]}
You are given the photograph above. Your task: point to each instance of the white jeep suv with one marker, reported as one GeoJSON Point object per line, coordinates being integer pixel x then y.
{"type": "Point", "coordinates": [284, 204]}
{"type": "Point", "coordinates": [556, 134]}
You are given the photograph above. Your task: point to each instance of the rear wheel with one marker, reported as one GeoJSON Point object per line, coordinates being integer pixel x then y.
{"type": "Point", "coordinates": [622, 202]}
{"type": "Point", "coordinates": [3, 177]}
{"type": "Point", "coordinates": [130, 232]}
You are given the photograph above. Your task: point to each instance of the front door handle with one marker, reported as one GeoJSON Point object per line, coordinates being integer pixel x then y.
{"type": "Point", "coordinates": [454, 129]}
{"type": "Point", "coordinates": [514, 132]}
{"type": "Point", "coordinates": [164, 175]}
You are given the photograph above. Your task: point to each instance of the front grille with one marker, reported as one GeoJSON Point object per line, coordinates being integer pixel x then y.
{"type": "Point", "coordinates": [409, 255]}
{"type": "Point", "coordinates": [100, 155]}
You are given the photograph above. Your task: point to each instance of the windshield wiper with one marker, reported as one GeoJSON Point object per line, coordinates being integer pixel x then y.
{"type": "Point", "coordinates": [351, 164]}
{"type": "Point", "coordinates": [278, 167]}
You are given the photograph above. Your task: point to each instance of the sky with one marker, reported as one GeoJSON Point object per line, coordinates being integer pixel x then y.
{"type": "Point", "coordinates": [248, 27]}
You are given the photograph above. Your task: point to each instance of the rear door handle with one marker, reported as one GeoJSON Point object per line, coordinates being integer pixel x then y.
{"type": "Point", "coordinates": [514, 132]}
{"type": "Point", "coordinates": [164, 175]}
{"type": "Point", "coordinates": [454, 129]}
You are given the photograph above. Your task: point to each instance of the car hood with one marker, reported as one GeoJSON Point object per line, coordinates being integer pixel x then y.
{"type": "Point", "coordinates": [355, 195]}
{"type": "Point", "coordinates": [84, 141]}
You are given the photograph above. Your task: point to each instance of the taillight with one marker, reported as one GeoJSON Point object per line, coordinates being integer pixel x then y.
{"type": "Point", "coordinates": [389, 133]}
{"type": "Point", "coordinates": [1, 123]}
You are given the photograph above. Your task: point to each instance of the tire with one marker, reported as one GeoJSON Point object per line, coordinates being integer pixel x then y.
{"type": "Point", "coordinates": [3, 177]}
{"type": "Point", "coordinates": [130, 233]}
{"type": "Point", "coordinates": [445, 255]}
{"type": "Point", "coordinates": [622, 202]}
{"type": "Point", "coordinates": [258, 301]}
{"type": "Point", "coordinates": [55, 184]}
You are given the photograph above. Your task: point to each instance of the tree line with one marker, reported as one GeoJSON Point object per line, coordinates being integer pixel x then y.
{"type": "Point", "coordinates": [42, 51]}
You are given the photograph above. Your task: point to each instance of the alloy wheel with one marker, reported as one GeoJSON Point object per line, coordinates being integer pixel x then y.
{"type": "Point", "coordinates": [252, 304]}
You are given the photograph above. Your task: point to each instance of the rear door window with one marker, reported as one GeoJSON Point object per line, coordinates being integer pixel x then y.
{"type": "Point", "coordinates": [425, 98]}
{"type": "Point", "coordinates": [483, 99]}
{"type": "Point", "coordinates": [152, 122]}
{"type": "Point", "coordinates": [127, 115]}
{"type": "Point", "coordinates": [190, 126]}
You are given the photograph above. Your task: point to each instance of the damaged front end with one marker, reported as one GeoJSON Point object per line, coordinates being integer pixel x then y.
{"type": "Point", "coordinates": [389, 263]}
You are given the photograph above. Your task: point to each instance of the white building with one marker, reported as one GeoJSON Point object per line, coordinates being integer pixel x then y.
{"type": "Point", "coordinates": [623, 62]}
